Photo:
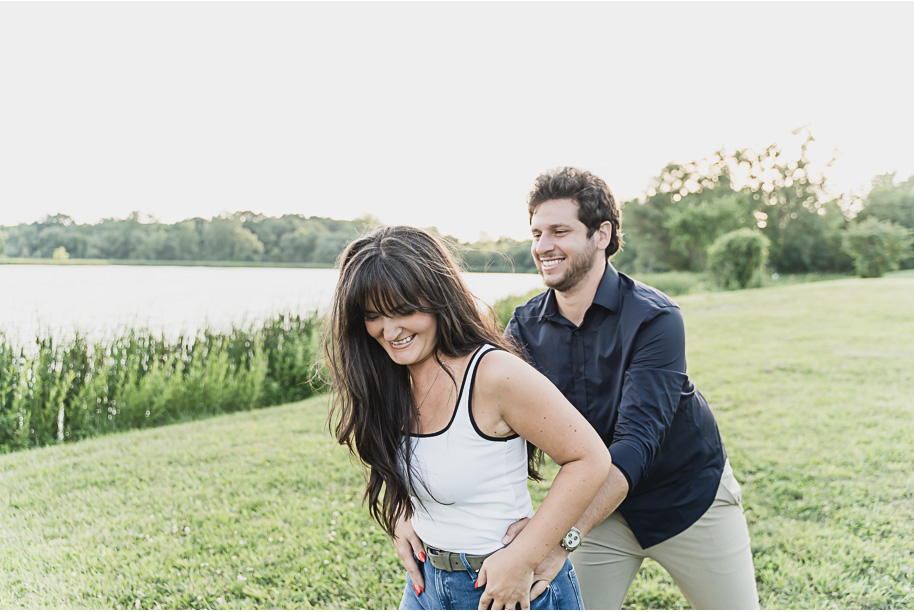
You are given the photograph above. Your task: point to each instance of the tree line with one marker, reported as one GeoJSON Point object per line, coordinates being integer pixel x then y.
{"type": "Point", "coordinates": [236, 237]}
{"type": "Point", "coordinates": [705, 214]}
{"type": "Point", "coordinates": [733, 214]}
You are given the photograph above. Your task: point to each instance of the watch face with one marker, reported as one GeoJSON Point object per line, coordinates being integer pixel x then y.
{"type": "Point", "coordinates": [572, 540]}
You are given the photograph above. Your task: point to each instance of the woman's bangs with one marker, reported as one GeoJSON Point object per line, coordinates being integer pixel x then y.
{"type": "Point", "coordinates": [382, 290]}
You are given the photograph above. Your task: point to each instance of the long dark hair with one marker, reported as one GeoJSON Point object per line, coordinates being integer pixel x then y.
{"type": "Point", "coordinates": [399, 270]}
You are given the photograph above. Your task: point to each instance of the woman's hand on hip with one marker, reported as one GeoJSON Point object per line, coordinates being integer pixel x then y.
{"type": "Point", "coordinates": [409, 548]}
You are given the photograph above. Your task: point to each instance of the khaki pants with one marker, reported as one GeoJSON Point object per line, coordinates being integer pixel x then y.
{"type": "Point", "coordinates": [711, 561]}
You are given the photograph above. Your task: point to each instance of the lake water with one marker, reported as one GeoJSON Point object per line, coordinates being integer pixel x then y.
{"type": "Point", "coordinates": [102, 300]}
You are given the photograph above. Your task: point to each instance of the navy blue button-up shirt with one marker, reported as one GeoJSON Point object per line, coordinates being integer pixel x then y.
{"type": "Point", "coordinates": [624, 368]}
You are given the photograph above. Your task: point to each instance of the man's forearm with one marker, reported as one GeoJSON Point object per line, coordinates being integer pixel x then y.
{"type": "Point", "coordinates": [608, 498]}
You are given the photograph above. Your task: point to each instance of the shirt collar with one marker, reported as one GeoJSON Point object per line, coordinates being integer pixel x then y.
{"type": "Point", "coordinates": [607, 295]}
{"type": "Point", "coordinates": [608, 292]}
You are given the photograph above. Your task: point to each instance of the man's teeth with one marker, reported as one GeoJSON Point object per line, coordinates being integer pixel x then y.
{"type": "Point", "coordinates": [548, 264]}
{"type": "Point", "coordinates": [403, 341]}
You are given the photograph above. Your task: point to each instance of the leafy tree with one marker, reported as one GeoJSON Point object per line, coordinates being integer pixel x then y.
{"type": "Point", "coordinates": [888, 201]}
{"type": "Point", "coordinates": [877, 246]}
{"type": "Point", "coordinates": [60, 254]}
{"type": "Point", "coordinates": [697, 222]}
{"type": "Point", "coordinates": [224, 239]}
{"type": "Point", "coordinates": [182, 242]}
{"type": "Point", "coordinates": [329, 245]}
{"type": "Point", "coordinates": [2, 244]}
{"type": "Point", "coordinates": [689, 205]}
{"type": "Point", "coordinates": [737, 257]}
{"type": "Point", "coordinates": [298, 245]}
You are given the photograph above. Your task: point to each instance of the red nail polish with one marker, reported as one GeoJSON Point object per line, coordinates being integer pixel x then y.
{"type": "Point", "coordinates": [476, 585]}
{"type": "Point", "coordinates": [421, 589]}
{"type": "Point", "coordinates": [422, 557]}
{"type": "Point", "coordinates": [416, 589]}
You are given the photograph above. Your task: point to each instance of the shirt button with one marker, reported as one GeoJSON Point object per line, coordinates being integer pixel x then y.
{"type": "Point", "coordinates": [576, 332]}
{"type": "Point", "coordinates": [579, 375]}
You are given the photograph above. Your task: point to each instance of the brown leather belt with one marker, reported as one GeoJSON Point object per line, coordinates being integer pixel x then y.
{"type": "Point", "coordinates": [450, 562]}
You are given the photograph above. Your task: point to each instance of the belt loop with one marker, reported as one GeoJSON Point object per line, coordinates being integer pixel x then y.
{"type": "Point", "coordinates": [470, 570]}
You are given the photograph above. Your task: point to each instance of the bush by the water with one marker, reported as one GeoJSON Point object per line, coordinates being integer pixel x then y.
{"type": "Point", "coordinates": [78, 389]}
{"type": "Point", "coordinates": [737, 257]}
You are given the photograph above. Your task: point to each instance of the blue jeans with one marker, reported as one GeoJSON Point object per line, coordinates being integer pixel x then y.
{"type": "Point", "coordinates": [455, 591]}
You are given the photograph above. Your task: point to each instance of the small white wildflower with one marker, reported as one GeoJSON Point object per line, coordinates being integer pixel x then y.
{"type": "Point", "coordinates": [241, 578]}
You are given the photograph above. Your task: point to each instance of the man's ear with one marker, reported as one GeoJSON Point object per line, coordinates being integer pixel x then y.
{"type": "Point", "coordinates": [604, 234]}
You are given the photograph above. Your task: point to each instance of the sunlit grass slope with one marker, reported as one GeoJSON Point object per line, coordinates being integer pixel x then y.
{"type": "Point", "coordinates": [812, 386]}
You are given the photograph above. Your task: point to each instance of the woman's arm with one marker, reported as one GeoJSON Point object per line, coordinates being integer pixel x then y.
{"type": "Point", "coordinates": [511, 396]}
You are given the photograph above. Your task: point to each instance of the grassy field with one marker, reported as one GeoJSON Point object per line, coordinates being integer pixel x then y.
{"type": "Point", "coordinates": [812, 386]}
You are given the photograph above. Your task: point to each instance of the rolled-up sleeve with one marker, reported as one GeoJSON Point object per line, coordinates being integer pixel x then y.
{"type": "Point", "coordinates": [651, 392]}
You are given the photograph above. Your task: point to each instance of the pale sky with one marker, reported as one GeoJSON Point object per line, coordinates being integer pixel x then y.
{"type": "Point", "coordinates": [426, 113]}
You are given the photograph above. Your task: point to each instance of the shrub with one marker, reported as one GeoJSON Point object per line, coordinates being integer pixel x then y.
{"type": "Point", "coordinates": [736, 258]}
{"type": "Point", "coordinates": [876, 246]}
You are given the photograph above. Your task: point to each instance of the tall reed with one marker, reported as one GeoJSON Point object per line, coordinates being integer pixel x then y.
{"type": "Point", "coordinates": [59, 392]}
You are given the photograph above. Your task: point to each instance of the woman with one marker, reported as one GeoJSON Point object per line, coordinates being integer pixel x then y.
{"type": "Point", "coordinates": [442, 412]}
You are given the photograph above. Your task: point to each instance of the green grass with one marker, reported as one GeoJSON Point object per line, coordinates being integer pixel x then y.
{"type": "Point", "coordinates": [811, 384]}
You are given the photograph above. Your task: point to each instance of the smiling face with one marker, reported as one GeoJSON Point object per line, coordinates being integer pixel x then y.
{"type": "Point", "coordinates": [408, 339]}
{"type": "Point", "coordinates": [563, 252]}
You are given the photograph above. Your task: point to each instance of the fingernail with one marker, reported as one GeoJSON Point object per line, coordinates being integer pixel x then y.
{"type": "Point", "coordinates": [422, 589]}
{"type": "Point", "coordinates": [422, 557]}
{"type": "Point", "coordinates": [416, 589]}
{"type": "Point", "coordinates": [505, 540]}
{"type": "Point", "coordinates": [476, 585]}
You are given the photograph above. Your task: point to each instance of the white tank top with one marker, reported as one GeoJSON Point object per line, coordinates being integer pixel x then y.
{"type": "Point", "coordinates": [477, 484]}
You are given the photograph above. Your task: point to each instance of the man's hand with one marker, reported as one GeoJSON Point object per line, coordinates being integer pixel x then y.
{"type": "Point", "coordinates": [409, 547]}
{"type": "Point", "coordinates": [546, 571]}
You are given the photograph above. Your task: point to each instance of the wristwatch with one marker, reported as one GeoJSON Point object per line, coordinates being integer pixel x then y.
{"type": "Point", "coordinates": [572, 540]}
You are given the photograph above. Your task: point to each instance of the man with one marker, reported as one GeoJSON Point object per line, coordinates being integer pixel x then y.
{"type": "Point", "coordinates": [616, 349]}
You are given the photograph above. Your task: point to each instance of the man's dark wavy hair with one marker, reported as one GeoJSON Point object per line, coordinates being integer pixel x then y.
{"type": "Point", "coordinates": [596, 203]}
